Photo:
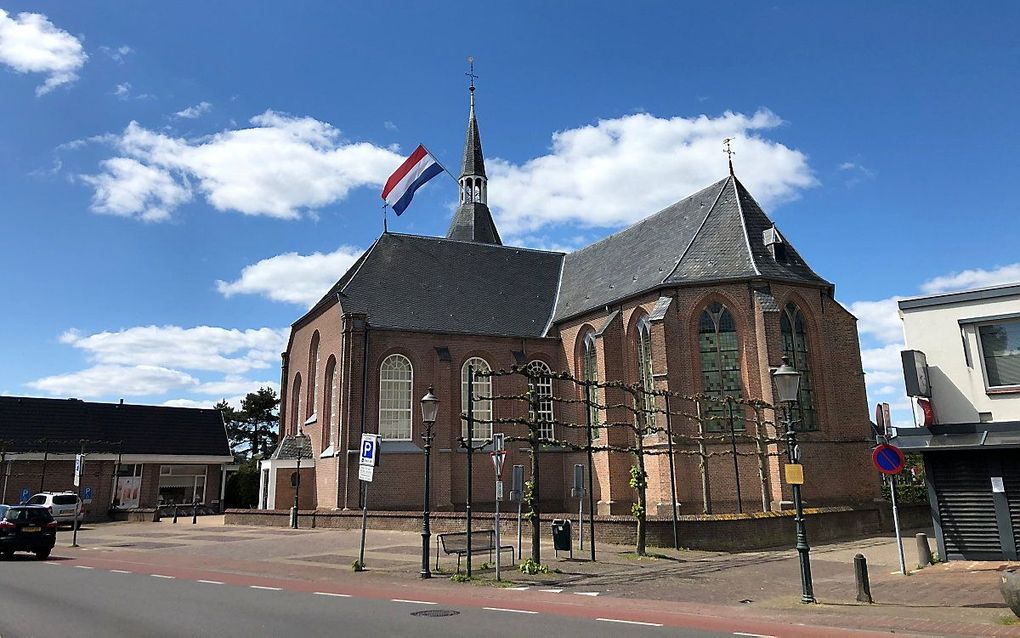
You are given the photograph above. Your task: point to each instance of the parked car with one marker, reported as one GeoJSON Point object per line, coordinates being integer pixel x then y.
{"type": "Point", "coordinates": [26, 528]}
{"type": "Point", "coordinates": [65, 507]}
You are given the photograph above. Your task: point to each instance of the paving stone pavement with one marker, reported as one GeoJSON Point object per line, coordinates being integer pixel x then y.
{"type": "Point", "coordinates": [958, 598]}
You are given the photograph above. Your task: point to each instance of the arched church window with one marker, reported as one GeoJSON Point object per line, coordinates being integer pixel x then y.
{"type": "Point", "coordinates": [589, 368]}
{"type": "Point", "coordinates": [329, 418]}
{"type": "Point", "coordinates": [396, 379]}
{"type": "Point", "coordinates": [482, 409]}
{"type": "Point", "coordinates": [540, 382]}
{"type": "Point", "coordinates": [296, 399]}
{"type": "Point", "coordinates": [644, 362]}
{"type": "Point", "coordinates": [313, 376]}
{"type": "Point", "coordinates": [795, 346]}
{"type": "Point", "coordinates": [720, 363]}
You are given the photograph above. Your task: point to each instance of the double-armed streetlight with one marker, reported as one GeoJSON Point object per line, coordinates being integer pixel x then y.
{"type": "Point", "coordinates": [787, 381]}
{"type": "Point", "coordinates": [429, 408]}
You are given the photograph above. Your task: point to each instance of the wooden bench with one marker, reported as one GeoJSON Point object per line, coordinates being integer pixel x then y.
{"type": "Point", "coordinates": [482, 540]}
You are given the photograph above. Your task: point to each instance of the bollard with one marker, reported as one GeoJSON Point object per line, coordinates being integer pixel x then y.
{"type": "Point", "coordinates": [863, 583]}
{"type": "Point", "coordinates": [175, 513]}
{"type": "Point", "coordinates": [194, 513]}
{"type": "Point", "coordinates": [923, 551]}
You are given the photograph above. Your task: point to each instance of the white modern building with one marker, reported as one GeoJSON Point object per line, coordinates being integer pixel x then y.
{"type": "Point", "coordinates": [964, 357]}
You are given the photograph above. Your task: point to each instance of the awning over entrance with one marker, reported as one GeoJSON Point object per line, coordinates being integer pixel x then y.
{"type": "Point", "coordinates": [966, 436]}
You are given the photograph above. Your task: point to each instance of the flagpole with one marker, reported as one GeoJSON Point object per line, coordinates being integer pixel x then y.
{"type": "Point", "coordinates": [440, 163]}
{"type": "Point", "coordinates": [384, 227]}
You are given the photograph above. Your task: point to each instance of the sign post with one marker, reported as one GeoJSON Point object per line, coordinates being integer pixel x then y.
{"type": "Point", "coordinates": [578, 491]}
{"type": "Point", "coordinates": [498, 457]}
{"type": "Point", "coordinates": [889, 460]}
{"type": "Point", "coordinates": [79, 466]}
{"type": "Point", "coordinates": [368, 460]}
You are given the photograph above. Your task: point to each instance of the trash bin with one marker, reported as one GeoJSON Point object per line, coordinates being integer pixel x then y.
{"type": "Point", "coordinates": [562, 537]}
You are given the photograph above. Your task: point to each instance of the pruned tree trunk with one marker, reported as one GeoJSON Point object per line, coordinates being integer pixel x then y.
{"type": "Point", "coordinates": [760, 452]}
{"type": "Point", "coordinates": [706, 489]}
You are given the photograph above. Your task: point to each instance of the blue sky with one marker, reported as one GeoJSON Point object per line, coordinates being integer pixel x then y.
{"type": "Point", "coordinates": [181, 180]}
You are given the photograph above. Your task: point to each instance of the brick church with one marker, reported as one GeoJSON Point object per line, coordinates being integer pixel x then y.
{"type": "Point", "coordinates": [704, 296]}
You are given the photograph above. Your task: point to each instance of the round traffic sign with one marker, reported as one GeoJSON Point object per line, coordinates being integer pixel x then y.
{"type": "Point", "coordinates": [888, 459]}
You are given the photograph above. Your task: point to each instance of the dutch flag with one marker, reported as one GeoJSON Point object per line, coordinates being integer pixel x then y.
{"type": "Point", "coordinates": [417, 169]}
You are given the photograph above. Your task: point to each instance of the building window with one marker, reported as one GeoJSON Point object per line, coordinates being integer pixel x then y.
{"type": "Point", "coordinates": [482, 409]}
{"type": "Point", "coordinates": [589, 367]}
{"type": "Point", "coordinates": [646, 418]}
{"type": "Point", "coordinates": [295, 406]}
{"type": "Point", "coordinates": [1000, 349]}
{"type": "Point", "coordinates": [329, 418]}
{"type": "Point", "coordinates": [540, 382]}
{"type": "Point", "coordinates": [313, 377]}
{"type": "Point", "coordinates": [395, 383]}
{"type": "Point", "coordinates": [720, 364]}
{"type": "Point", "coordinates": [182, 484]}
{"type": "Point", "coordinates": [795, 346]}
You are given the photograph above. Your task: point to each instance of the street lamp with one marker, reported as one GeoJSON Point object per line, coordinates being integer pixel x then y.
{"type": "Point", "coordinates": [787, 381]}
{"type": "Point", "coordinates": [299, 440]}
{"type": "Point", "coordinates": [429, 408]}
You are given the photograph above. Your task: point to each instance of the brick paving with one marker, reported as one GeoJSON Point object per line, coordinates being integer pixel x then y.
{"type": "Point", "coordinates": [957, 598]}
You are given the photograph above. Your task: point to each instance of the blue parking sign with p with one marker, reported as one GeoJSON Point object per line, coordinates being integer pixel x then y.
{"type": "Point", "coordinates": [369, 449]}
{"type": "Point", "coordinates": [26, 494]}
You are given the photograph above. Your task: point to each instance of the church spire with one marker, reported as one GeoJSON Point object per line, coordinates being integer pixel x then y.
{"type": "Point", "coordinates": [473, 221]}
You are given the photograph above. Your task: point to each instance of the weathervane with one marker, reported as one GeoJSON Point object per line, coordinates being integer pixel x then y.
{"type": "Point", "coordinates": [471, 72]}
{"type": "Point", "coordinates": [729, 152]}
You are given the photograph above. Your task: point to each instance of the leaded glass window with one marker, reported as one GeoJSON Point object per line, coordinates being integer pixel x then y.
{"type": "Point", "coordinates": [540, 381]}
{"type": "Point", "coordinates": [482, 409]}
{"type": "Point", "coordinates": [313, 376]}
{"type": "Point", "coordinates": [795, 346]}
{"type": "Point", "coordinates": [396, 378]}
{"type": "Point", "coordinates": [589, 366]}
{"type": "Point", "coordinates": [720, 364]}
{"type": "Point", "coordinates": [646, 419]}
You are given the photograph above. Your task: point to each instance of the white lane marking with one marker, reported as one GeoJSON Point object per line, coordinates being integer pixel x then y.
{"type": "Point", "coordinates": [413, 602]}
{"type": "Point", "coordinates": [119, 571]}
{"type": "Point", "coordinates": [266, 588]}
{"type": "Point", "coordinates": [162, 576]}
{"type": "Point", "coordinates": [740, 633]}
{"type": "Point", "coordinates": [525, 588]}
{"type": "Point", "coordinates": [586, 593]}
{"type": "Point", "coordinates": [210, 582]}
{"type": "Point", "coordinates": [512, 611]}
{"type": "Point", "coordinates": [631, 622]}
{"type": "Point", "coordinates": [551, 591]}
{"type": "Point", "coordinates": [83, 567]}
{"type": "Point", "coordinates": [329, 593]}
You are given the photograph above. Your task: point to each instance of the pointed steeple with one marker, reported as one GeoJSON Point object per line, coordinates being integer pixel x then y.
{"type": "Point", "coordinates": [473, 221]}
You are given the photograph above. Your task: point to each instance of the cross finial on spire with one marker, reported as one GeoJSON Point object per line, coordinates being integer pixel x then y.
{"type": "Point", "coordinates": [729, 152]}
{"type": "Point", "coordinates": [471, 72]}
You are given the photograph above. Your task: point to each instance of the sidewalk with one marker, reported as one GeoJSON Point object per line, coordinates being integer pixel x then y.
{"type": "Point", "coordinates": [948, 599]}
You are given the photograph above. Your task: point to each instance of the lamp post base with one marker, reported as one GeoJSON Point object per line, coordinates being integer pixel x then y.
{"type": "Point", "coordinates": [426, 539]}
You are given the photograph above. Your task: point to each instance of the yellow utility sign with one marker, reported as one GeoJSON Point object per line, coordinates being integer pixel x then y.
{"type": "Point", "coordinates": [795, 474]}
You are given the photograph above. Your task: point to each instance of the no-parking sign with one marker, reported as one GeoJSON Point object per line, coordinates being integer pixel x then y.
{"type": "Point", "coordinates": [888, 459]}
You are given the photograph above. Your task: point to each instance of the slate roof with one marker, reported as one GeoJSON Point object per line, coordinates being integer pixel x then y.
{"type": "Point", "coordinates": [473, 222]}
{"type": "Point", "coordinates": [431, 284]}
{"type": "Point", "coordinates": [474, 160]}
{"type": "Point", "coordinates": [141, 429]}
{"type": "Point", "coordinates": [291, 446]}
{"type": "Point", "coordinates": [713, 235]}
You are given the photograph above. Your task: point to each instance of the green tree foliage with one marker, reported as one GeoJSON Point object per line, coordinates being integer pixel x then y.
{"type": "Point", "coordinates": [253, 430]}
{"type": "Point", "coordinates": [243, 486]}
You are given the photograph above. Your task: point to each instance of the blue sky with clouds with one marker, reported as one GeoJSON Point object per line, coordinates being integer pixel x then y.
{"type": "Point", "coordinates": [181, 180]}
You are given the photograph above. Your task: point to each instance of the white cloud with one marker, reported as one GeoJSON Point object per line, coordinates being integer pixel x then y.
{"type": "Point", "coordinates": [30, 43]}
{"type": "Point", "coordinates": [117, 54]}
{"type": "Point", "coordinates": [618, 171]}
{"type": "Point", "coordinates": [114, 380]}
{"type": "Point", "coordinates": [294, 278]}
{"type": "Point", "coordinates": [278, 167]}
{"type": "Point", "coordinates": [129, 188]}
{"type": "Point", "coordinates": [205, 348]}
{"type": "Point", "coordinates": [974, 278]}
{"type": "Point", "coordinates": [390, 126]}
{"type": "Point", "coordinates": [193, 112]}
{"type": "Point", "coordinates": [879, 319]}
{"type": "Point", "coordinates": [122, 90]}
{"type": "Point", "coordinates": [234, 385]}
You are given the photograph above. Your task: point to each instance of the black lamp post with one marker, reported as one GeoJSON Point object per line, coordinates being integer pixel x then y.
{"type": "Point", "coordinates": [429, 408]}
{"type": "Point", "coordinates": [299, 440]}
{"type": "Point", "coordinates": [787, 382]}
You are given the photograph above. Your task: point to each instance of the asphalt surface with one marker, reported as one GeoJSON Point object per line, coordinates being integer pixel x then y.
{"type": "Point", "coordinates": [50, 598]}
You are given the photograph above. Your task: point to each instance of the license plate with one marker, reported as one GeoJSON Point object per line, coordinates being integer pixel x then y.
{"type": "Point", "coordinates": [29, 530]}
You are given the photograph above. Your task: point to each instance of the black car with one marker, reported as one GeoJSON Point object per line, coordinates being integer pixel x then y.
{"type": "Point", "coordinates": [26, 528]}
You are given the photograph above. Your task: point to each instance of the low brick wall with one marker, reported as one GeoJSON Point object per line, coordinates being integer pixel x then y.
{"type": "Point", "coordinates": [139, 515]}
{"type": "Point", "coordinates": [720, 532]}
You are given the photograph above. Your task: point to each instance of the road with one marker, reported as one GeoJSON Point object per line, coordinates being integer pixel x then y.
{"type": "Point", "coordinates": [61, 598]}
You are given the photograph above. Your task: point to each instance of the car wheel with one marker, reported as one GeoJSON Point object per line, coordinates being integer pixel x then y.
{"type": "Point", "coordinates": [42, 554]}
